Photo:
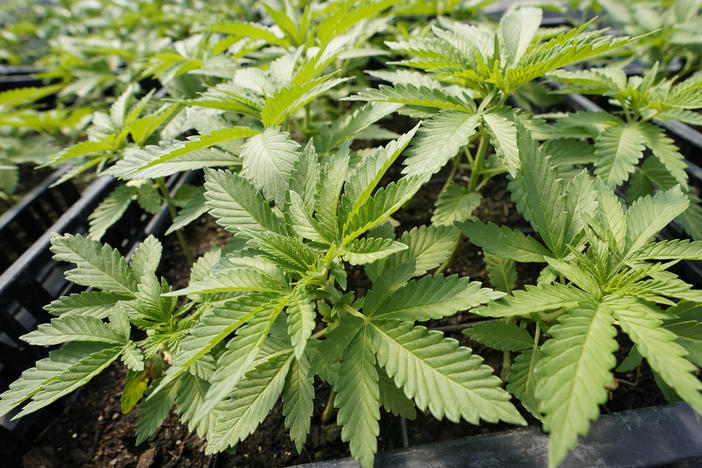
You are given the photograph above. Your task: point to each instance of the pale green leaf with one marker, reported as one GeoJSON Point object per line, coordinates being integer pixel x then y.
{"type": "Point", "coordinates": [440, 375]}
{"type": "Point", "coordinates": [98, 266]}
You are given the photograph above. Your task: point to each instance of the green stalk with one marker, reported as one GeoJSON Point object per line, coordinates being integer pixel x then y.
{"type": "Point", "coordinates": [451, 175]}
{"type": "Point", "coordinates": [477, 166]}
{"type": "Point", "coordinates": [172, 210]}
{"type": "Point", "coordinates": [329, 409]}
{"type": "Point", "coordinates": [506, 365]}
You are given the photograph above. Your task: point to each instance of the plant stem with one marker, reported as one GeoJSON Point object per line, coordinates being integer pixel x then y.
{"type": "Point", "coordinates": [506, 364]}
{"type": "Point", "coordinates": [506, 357]}
{"type": "Point", "coordinates": [451, 175]}
{"type": "Point", "coordinates": [478, 162]}
{"type": "Point", "coordinates": [448, 261]}
{"type": "Point", "coordinates": [329, 409]}
{"type": "Point", "coordinates": [172, 210]}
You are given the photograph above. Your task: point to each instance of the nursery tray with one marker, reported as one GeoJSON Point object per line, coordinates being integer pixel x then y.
{"type": "Point", "coordinates": [643, 437]}
{"type": "Point", "coordinates": [35, 279]}
{"type": "Point", "coordinates": [25, 221]}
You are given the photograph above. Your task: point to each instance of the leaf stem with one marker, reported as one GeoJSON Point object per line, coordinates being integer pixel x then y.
{"type": "Point", "coordinates": [172, 210]}
{"type": "Point", "coordinates": [329, 408]}
{"type": "Point", "coordinates": [478, 161]}
{"type": "Point", "coordinates": [448, 261]}
{"type": "Point", "coordinates": [451, 175]}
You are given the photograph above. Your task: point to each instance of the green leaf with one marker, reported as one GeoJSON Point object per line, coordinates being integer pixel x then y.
{"type": "Point", "coordinates": [300, 218]}
{"type": "Point", "coordinates": [23, 96]}
{"type": "Point", "coordinates": [134, 387]}
{"type": "Point", "coordinates": [438, 140]}
{"type": "Point", "coordinates": [154, 410]}
{"type": "Point", "coordinates": [301, 319]}
{"type": "Point", "coordinates": [430, 297]}
{"type": "Point", "coordinates": [232, 280]}
{"type": "Point", "coordinates": [84, 148]}
{"type": "Point", "coordinates": [675, 249]}
{"type": "Point", "coordinates": [70, 378]}
{"type": "Point", "coordinates": [393, 399]}
{"type": "Point", "coordinates": [236, 203]}
{"type": "Point", "coordinates": [386, 201]}
{"type": "Point", "coordinates": [440, 375]}
{"type": "Point", "coordinates": [214, 326]}
{"type": "Point", "coordinates": [73, 328]}
{"type": "Point", "coordinates": [304, 176]}
{"type": "Point", "coordinates": [352, 124]}
{"type": "Point", "coordinates": [358, 398]}
{"type": "Point", "coordinates": [134, 158]}
{"type": "Point", "coordinates": [289, 253]}
{"type": "Point", "coordinates": [617, 151]}
{"type": "Point", "coordinates": [573, 375]}
{"type": "Point", "coordinates": [500, 335]}
{"type": "Point", "coordinates": [667, 153]}
{"type": "Point", "coordinates": [110, 210]}
{"type": "Point", "coordinates": [502, 272]}
{"type": "Point", "coordinates": [371, 170]}
{"type": "Point", "coordinates": [268, 160]}
{"type": "Point", "coordinates": [649, 214]}
{"type": "Point", "coordinates": [371, 249]}
{"type": "Point", "coordinates": [667, 358]}
{"type": "Point", "coordinates": [98, 266]}
{"type": "Point", "coordinates": [503, 136]}
{"type": "Point", "coordinates": [298, 399]}
{"type": "Point", "coordinates": [132, 357]}
{"type": "Point", "coordinates": [455, 203]}
{"type": "Point", "coordinates": [248, 29]}
{"type": "Point", "coordinates": [193, 209]}
{"type": "Point", "coordinates": [517, 29]}
{"type": "Point", "coordinates": [504, 242]}
{"type": "Point", "coordinates": [189, 398]}
{"type": "Point", "coordinates": [688, 328]}
{"type": "Point", "coordinates": [521, 380]}
{"type": "Point", "coordinates": [284, 102]}
{"type": "Point", "coordinates": [238, 358]}
{"type": "Point", "coordinates": [428, 247]}
{"type": "Point", "coordinates": [249, 404]}
{"type": "Point", "coordinates": [329, 187]}
{"type": "Point", "coordinates": [545, 197]}
{"type": "Point", "coordinates": [532, 299]}
{"type": "Point", "coordinates": [95, 304]}
{"type": "Point", "coordinates": [141, 129]}
{"type": "Point", "coordinates": [146, 257]}
{"type": "Point", "coordinates": [34, 380]}
{"type": "Point", "coordinates": [149, 198]}
{"type": "Point", "coordinates": [202, 141]}
{"type": "Point", "coordinates": [416, 95]}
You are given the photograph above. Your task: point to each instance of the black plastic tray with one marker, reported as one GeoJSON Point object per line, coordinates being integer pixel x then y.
{"type": "Point", "coordinates": [646, 437]}
{"type": "Point", "coordinates": [35, 279]}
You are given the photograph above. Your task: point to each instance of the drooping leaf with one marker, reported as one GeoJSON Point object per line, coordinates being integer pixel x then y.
{"type": "Point", "coordinates": [298, 399]}
{"type": "Point", "coordinates": [573, 373]}
{"type": "Point", "coordinates": [358, 398]}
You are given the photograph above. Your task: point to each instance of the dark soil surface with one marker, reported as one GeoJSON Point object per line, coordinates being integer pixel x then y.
{"type": "Point", "coordinates": [93, 432]}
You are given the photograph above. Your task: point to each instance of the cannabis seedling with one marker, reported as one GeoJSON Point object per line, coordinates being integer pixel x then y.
{"type": "Point", "coordinates": [603, 273]}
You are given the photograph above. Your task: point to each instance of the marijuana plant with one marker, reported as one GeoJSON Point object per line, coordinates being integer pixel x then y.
{"type": "Point", "coordinates": [620, 139]}
{"type": "Point", "coordinates": [484, 64]}
{"type": "Point", "coordinates": [127, 295]}
{"type": "Point", "coordinates": [270, 312]}
{"type": "Point", "coordinates": [603, 275]}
